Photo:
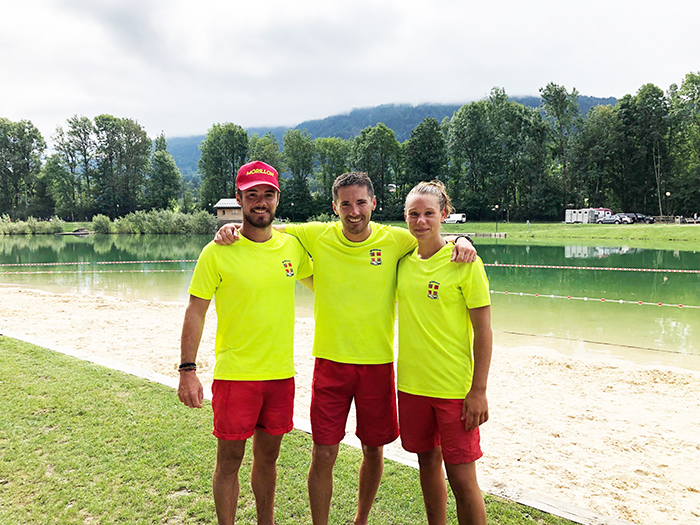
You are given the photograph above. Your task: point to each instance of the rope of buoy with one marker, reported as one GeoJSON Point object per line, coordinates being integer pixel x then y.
{"type": "Point", "coordinates": [593, 299]}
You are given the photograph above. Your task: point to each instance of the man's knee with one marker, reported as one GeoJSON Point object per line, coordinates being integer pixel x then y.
{"type": "Point", "coordinates": [229, 456]}
{"type": "Point", "coordinates": [463, 479]}
{"type": "Point", "coordinates": [373, 453]}
{"type": "Point", "coordinates": [324, 456]}
{"type": "Point", "coordinates": [266, 448]}
{"type": "Point", "coordinates": [430, 459]}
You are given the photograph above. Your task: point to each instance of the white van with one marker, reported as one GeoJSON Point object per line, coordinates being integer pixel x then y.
{"type": "Point", "coordinates": [456, 217]}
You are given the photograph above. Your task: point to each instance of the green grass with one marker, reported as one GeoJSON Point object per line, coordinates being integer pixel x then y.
{"type": "Point", "coordinates": [72, 226]}
{"type": "Point", "coordinates": [659, 236]}
{"type": "Point", "coordinates": [80, 443]}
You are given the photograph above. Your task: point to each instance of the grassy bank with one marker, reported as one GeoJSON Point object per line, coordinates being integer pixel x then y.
{"type": "Point", "coordinates": [31, 226]}
{"type": "Point", "coordinates": [156, 222]}
{"type": "Point", "coordinates": [83, 444]}
{"type": "Point", "coordinates": [661, 236]}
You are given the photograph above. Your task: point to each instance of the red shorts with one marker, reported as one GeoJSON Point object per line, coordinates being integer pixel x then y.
{"type": "Point", "coordinates": [427, 422]}
{"type": "Point", "coordinates": [240, 407]}
{"type": "Point", "coordinates": [334, 387]}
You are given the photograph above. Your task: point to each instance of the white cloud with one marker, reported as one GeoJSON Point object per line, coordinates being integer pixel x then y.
{"type": "Point", "coordinates": [179, 67]}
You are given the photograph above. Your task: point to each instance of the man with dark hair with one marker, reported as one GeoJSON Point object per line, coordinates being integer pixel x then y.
{"type": "Point", "coordinates": [253, 389]}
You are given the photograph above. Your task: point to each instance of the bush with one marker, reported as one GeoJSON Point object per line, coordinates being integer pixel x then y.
{"type": "Point", "coordinates": [30, 226]}
{"type": "Point", "coordinates": [322, 217]}
{"type": "Point", "coordinates": [101, 224]}
{"type": "Point", "coordinates": [33, 225]}
{"type": "Point", "coordinates": [5, 223]}
{"type": "Point", "coordinates": [122, 225]}
{"type": "Point", "coordinates": [180, 223]}
{"type": "Point", "coordinates": [18, 228]}
{"type": "Point", "coordinates": [55, 225]}
{"type": "Point", "coordinates": [161, 222]}
{"type": "Point", "coordinates": [202, 222]}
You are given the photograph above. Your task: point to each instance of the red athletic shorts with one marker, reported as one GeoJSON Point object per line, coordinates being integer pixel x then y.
{"type": "Point", "coordinates": [335, 385]}
{"type": "Point", "coordinates": [240, 407]}
{"type": "Point", "coordinates": [427, 422]}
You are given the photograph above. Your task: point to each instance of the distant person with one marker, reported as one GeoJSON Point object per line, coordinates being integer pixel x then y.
{"type": "Point", "coordinates": [355, 264]}
{"type": "Point", "coordinates": [253, 389]}
{"type": "Point", "coordinates": [445, 346]}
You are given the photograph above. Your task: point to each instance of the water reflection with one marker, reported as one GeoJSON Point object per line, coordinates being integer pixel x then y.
{"type": "Point", "coordinates": [159, 268]}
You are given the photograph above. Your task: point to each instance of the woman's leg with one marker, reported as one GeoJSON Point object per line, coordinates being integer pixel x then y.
{"type": "Point", "coordinates": [432, 483]}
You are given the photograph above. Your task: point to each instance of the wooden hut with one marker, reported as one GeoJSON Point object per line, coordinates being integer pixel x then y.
{"type": "Point", "coordinates": [228, 210]}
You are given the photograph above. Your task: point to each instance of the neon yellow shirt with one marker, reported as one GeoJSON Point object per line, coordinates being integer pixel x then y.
{"type": "Point", "coordinates": [253, 284]}
{"type": "Point", "coordinates": [435, 332]}
{"type": "Point", "coordinates": [355, 290]}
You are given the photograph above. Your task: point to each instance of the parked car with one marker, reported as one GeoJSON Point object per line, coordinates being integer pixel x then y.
{"type": "Point", "coordinates": [640, 217]}
{"type": "Point", "coordinates": [456, 217]}
{"type": "Point", "coordinates": [618, 218]}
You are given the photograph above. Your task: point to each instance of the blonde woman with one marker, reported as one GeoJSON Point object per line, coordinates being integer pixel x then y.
{"type": "Point", "coordinates": [444, 358]}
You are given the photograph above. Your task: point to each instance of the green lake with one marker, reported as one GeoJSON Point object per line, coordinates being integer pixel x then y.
{"type": "Point", "coordinates": [570, 292]}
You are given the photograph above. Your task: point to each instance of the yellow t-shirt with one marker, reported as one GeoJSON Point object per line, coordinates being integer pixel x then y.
{"type": "Point", "coordinates": [355, 289]}
{"type": "Point", "coordinates": [435, 332]}
{"type": "Point", "coordinates": [253, 284]}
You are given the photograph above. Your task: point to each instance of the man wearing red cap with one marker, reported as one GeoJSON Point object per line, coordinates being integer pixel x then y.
{"type": "Point", "coordinates": [253, 388]}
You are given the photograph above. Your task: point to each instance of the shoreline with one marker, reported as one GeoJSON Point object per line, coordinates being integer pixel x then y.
{"type": "Point", "coordinates": [568, 420]}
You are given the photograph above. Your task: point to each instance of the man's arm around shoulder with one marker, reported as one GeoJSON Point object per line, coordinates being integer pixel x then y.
{"type": "Point", "coordinates": [228, 233]}
{"type": "Point", "coordinates": [464, 250]}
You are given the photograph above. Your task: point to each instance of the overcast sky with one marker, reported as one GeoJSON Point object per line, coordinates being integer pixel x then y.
{"type": "Point", "coordinates": [180, 66]}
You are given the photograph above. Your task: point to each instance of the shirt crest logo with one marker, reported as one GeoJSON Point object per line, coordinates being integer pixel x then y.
{"type": "Point", "coordinates": [375, 257]}
{"type": "Point", "coordinates": [288, 267]}
{"type": "Point", "coordinates": [433, 289]}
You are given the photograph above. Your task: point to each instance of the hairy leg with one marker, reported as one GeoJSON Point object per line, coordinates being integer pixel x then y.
{"type": "Point", "coordinates": [470, 501]}
{"type": "Point", "coordinates": [320, 482]}
{"type": "Point", "coordinates": [433, 485]}
{"type": "Point", "coordinates": [229, 456]}
{"type": "Point", "coordinates": [266, 449]}
{"type": "Point", "coordinates": [370, 475]}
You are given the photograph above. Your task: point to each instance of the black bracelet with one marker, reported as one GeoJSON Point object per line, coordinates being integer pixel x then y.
{"type": "Point", "coordinates": [186, 367]}
{"type": "Point", "coordinates": [465, 237]}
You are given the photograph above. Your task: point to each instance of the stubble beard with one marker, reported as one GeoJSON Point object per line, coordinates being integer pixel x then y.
{"type": "Point", "coordinates": [259, 221]}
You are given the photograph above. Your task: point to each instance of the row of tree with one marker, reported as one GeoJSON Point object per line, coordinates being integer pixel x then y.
{"type": "Point", "coordinates": [499, 158]}
{"type": "Point", "coordinates": [103, 166]}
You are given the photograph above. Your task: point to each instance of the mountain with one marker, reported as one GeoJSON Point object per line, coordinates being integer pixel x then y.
{"type": "Point", "coordinates": [402, 118]}
{"type": "Point", "coordinates": [185, 151]}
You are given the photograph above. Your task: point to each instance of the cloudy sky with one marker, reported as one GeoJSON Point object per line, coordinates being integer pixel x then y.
{"type": "Point", "coordinates": [179, 66]}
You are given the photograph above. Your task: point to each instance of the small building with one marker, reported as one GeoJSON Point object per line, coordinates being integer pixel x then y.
{"type": "Point", "coordinates": [228, 210]}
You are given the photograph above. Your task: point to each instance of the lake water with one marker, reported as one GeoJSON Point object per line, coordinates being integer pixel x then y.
{"type": "Point", "coordinates": [550, 291]}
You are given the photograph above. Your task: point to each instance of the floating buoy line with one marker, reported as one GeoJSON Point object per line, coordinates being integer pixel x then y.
{"type": "Point", "coordinates": [591, 299]}
{"type": "Point", "coordinates": [594, 268]}
{"type": "Point", "coordinates": [495, 292]}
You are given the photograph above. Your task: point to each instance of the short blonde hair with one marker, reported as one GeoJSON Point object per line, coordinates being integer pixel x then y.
{"type": "Point", "coordinates": [436, 189]}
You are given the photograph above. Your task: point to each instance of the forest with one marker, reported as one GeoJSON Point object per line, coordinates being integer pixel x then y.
{"type": "Point", "coordinates": [500, 158]}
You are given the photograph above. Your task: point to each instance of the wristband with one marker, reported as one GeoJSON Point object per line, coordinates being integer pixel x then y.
{"type": "Point", "coordinates": [465, 237]}
{"type": "Point", "coordinates": [186, 367]}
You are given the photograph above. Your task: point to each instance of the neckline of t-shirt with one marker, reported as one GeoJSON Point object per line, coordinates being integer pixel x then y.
{"type": "Point", "coordinates": [372, 234]}
{"type": "Point", "coordinates": [432, 257]}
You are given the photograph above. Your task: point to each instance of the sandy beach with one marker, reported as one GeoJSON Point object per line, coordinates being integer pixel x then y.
{"type": "Point", "coordinates": [567, 421]}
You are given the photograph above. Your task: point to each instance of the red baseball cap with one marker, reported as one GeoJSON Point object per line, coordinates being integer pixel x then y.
{"type": "Point", "coordinates": [255, 173]}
